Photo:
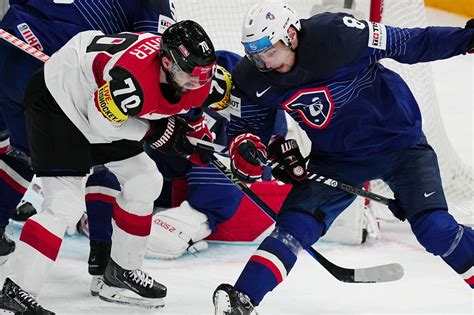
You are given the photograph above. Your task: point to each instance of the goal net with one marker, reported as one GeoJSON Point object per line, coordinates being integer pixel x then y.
{"type": "Point", "coordinates": [223, 21]}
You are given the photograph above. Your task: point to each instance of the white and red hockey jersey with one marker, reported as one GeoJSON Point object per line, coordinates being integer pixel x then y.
{"type": "Point", "coordinates": [109, 86]}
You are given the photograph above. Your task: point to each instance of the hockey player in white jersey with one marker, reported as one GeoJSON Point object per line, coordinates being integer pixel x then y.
{"type": "Point", "coordinates": [47, 26]}
{"type": "Point", "coordinates": [97, 98]}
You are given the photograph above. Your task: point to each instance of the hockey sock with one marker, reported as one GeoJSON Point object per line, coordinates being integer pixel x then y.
{"type": "Point", "coordinates": [101, 187]}
{"type": "Point", "coordinates": [277, 254]}
{"type": "Point", "coordinates": [441, 235]}
{"type": "Point", "coordinates": [39, 245]}
{"type": "Point", "coordinates": [15, 176]}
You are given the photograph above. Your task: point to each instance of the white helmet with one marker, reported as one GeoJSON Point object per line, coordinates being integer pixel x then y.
{"type": "Point", "coordinates": [265, 24]}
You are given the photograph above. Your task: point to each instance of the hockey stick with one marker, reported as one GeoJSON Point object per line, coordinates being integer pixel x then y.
{"type": "Point", "coordinates": [15, 41]}
{"type": "Point", "coordinates": [350, 189]}
{"type": "Point", "coordinates": [216, 148]}
{"type": "Point", "coordinates": [381, 273]}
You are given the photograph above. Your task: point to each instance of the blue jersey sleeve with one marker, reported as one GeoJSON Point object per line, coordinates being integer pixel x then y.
{"type": "Point", "coordinates": [352, 39]}
{"type": "Point", "coordinates": [152, 16]}
{"type": "Point", "coordinates": [413, 45]}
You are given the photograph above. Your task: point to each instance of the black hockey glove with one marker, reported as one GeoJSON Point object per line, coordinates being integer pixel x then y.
{"type": "Point", "coordinates": [168, 135]}
{"type": "Point", "coordinates": [221, 86]}
{"type": "Point", "coordinates": [291, 166]}
{"type": "Point", "coordinates": [470, 24]}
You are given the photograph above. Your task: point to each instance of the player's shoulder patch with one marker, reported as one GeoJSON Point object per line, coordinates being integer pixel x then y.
{"type": "Point", "coordinates": [164, 22]}
{"type": "Point", "coordinates": [377, 35]}
{"type": "Point", "coordinates": [121, 97]}
{"type": "Point", "coordinates": [107, 106]}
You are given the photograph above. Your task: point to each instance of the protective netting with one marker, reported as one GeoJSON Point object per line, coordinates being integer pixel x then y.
{"type": "Point", "coordinates": [223, 21]}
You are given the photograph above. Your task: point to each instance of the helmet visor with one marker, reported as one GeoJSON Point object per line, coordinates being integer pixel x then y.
{"type": "Point", "coordinates": [199, 76]}
{"type": "Point", "coordinates": [270, 58]}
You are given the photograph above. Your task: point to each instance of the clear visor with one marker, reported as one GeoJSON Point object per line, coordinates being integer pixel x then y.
{"type": "Point", "coordinates": [269, 59]}
{"type": "Point", "coordinates": [199, 77]}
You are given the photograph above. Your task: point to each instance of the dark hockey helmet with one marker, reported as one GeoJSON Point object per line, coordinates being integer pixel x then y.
{"type": "Point", "coordinates": [192, 52]}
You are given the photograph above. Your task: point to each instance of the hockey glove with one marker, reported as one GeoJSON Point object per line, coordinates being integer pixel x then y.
{"type": "Point", "coordinates": [200, 130]}
{"type": "Point", "coordinates": [291, 166]}
{"type": "Point", "coordinates": [219, 95]}
{"type": "Point", "coordinates": [168, 135]}
{"type": "Point", "coordinates": [247, 156]}
{"type": "Point", "coordinates": [470, 24]}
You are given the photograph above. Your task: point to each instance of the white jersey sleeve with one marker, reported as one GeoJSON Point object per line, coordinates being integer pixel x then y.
{"type": "Point", "coordinates": [69, 76]}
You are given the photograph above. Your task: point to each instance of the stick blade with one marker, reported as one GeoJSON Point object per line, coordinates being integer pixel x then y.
{"type": "Point", "coordinates": [383, 273]}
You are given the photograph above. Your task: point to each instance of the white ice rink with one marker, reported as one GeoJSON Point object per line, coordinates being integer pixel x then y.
{"type": "Point", "coordinates": [428, 287]}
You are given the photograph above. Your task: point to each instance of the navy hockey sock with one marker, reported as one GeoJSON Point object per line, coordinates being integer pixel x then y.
{"type": "Point", "coordinates": [441, 235]}
{"type": "Point", "coordinates": [277, 254]}
{"type": "Point", "coordinates": [101, 187]}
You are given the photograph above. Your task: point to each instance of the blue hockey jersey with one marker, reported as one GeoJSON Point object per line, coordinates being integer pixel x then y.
{"type": "Point", "coordinates": [54, 22]}
{"type": "Point", "coordinates": [350, 106]}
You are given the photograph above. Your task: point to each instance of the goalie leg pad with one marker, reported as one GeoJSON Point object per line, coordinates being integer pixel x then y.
{"type": "Point", "coordinates": [177, 230]}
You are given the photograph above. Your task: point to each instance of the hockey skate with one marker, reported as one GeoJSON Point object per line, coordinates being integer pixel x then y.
{"type": "Point", "coordinates": [7, 246]}
{"type": "Point", "coordinates": [98, 259]}
{"type": "Point", "coordinates": [132, 287]}
{"type": "Point", "coordinates": [23, 211]}
{"type": "Point", "coordinates": [228, 301]}
{"type": "Point", "coordinates": [14, 300]}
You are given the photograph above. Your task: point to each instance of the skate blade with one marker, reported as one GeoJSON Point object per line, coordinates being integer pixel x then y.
{"type": "Point", "coordinates": [221, 303]}
{"type": "Point", "coordinates": [127, 297]}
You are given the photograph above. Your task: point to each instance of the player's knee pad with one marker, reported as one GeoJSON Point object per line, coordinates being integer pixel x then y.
{"type": "Point", "coordinates": [144, 187]}
{"type": "Point", "coordinates": [177, 230]}
{"type": "Point", "coordinates": [64, 198]}
{"type": "Point", "coordinates": [437, 231]}
{"type": "Point", "coordinates": [303, 226]}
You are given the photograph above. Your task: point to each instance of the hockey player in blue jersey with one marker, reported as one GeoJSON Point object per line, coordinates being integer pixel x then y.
{"type": "Point", "coordinates": [48, 25]}
{"type": "Point", "coordinates": [363, 121]}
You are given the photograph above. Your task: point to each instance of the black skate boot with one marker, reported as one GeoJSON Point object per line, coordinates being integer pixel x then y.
{"type": "Point", "coordinates": [228, 301]}
{"type": "Point", "coordinates": [23, 211]}
{"type": "Point", "coordinates": [98, 260]}
{"type": "Point", "coordinates": [7, 246]}
{"type": "Point", "coordinates": [133, 287]}
{"type": "Point", "coordinates": [15, 300]}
